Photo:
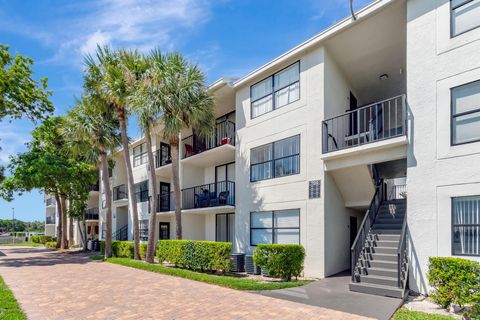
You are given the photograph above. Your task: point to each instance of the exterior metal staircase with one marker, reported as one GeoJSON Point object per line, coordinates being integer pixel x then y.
{"type": "Point", "coordinates": [379, 254]}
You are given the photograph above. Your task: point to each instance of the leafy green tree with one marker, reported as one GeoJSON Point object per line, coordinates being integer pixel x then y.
{"type": "Point", "coordinates": [20, 94]}
{"type": "Point", "coordinates": [110, 75]}
{"type": "Point", "coordinates": [92, 131]}
{"type": "Point", "coordinates": [177, 89]}
{"type": "Point", "coordinates": [47, 166]}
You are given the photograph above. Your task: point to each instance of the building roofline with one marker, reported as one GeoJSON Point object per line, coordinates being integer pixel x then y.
{"type": "Point", "coordinates": [316, 39]}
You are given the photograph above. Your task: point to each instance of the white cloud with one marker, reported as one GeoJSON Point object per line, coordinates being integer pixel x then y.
{"type": "Point", "coordinates": [98, 38]}
{"type": "Point", "coordinates": [12, 139]}
{"type": "Point", "coordinates": [141, 24]}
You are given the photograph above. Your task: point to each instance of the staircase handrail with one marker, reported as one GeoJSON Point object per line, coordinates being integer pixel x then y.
{"type": "Point", "coordinates": [366, 225]}
{"type": "Point", "coordinates": [402, 251]}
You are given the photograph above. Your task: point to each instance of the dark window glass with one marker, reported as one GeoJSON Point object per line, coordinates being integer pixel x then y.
{"type": "Point", "coordinates": [274, 160]}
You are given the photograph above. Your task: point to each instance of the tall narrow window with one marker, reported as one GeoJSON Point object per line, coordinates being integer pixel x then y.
{"type": "Point", "coordinates": [141, 191]}
{"type": "Point", "coordinates": [140, 155]}
{"type": "Point", "coordinates": [275, 91]}
{"type": "Point", "coordinates": [466, 226]}
{"type": "Point", "coordinates": [277, 159]}
{"type": "Point", "coordinates": [465, 16]}
{"type": "Point", "coordinates": [282, 227]}
{"type": "Point", "coordinates": [143, 230]}
{"type": "Point", "coordinates": [466, 113]}
{"type": "Point", "coordinates": [225, 227]}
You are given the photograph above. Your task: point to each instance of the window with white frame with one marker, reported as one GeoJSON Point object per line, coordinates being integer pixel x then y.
{"type": "Point", "coordinates": [281, 227]}
{"type": "Point", "coordinates": [140, 155]}
{"type": "Point", "coordinates": [465, 120]}
{"type": "Point", "coordinates": [275, 91]}
{"type": "Point", "coordinates": [274, 160]}
{"type": "Point", "coordinates": [465, 16]}
{"type": "Point", "coordinates": [466, 226]}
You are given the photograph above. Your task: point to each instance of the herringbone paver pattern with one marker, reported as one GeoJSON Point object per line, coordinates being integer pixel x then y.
{"type": "Point", "coordinates": [51, 285]}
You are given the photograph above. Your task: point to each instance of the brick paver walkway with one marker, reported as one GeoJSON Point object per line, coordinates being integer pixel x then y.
{"type": "Point", "coordinates": [51, 285]}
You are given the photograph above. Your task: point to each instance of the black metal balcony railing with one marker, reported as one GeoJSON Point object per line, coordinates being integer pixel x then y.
{"type": "Point", "coordinates": [221, 193]}
{"type": "Point", "coordinates": [397, 192]}
{"type": "Point", "coordinates": [49, 201]}
{"type": "Point", "coordinates": [50, 220]}
{"type": "Point", "coordinates": [224, 134]}
{"type": "Point", "coordinates": [120, 192]}
{"type": "Point", "coordinates": [165, 202]}
{"type": "Point", "coordinates": [378, 121]}
{"type": "Point", "coordinates": [94, 187]}
{"type": "Point", "coordinates": [91, 214]}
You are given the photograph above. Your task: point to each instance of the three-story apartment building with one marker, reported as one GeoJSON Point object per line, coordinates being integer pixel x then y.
{"type": "Point", "coordinates": [321, 146]}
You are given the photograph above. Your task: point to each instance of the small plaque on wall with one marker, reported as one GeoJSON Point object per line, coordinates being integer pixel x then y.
{"type": "Point", "coordinates": [314, 189]}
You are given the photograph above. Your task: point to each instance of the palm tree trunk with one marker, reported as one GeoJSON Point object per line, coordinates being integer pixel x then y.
{"type": "Point", "coordinates": [132, 200]}
{"type": "Point", "coordinates": [152, 187]}
{"type": "Point", "coordinates": [176, 186]}
{"type": "Point", "coordinates": [64, 242]}
{"type": "Point", "coordinates": [59, 221]}
{"type": "Point", "coordinates": [70, 231]}
{"type": "Point", "coordinates": [108, 203]}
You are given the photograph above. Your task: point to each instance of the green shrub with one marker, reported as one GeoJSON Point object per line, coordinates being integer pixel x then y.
{"type": "Point", "coordinates": [120, 249]}
{"type": "Point", "coordinates": [51, 244]}
{"type": "Point", "coordinates": [143, 250]}
{"type": "Point", "coordinates": [196, 255]}
{"type": "Point", "coordinates": [455, 281]}
{"type": "Point", "coordinates": [280, 260]}
{"type": "Point", "coordinates": [43, 239]}
{"type": "Point", "coordinates": [102, 247]}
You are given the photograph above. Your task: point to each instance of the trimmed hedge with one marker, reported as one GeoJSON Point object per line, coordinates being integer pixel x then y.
{"type": "Point", "coordinates": [196, 255]}
{"type": "Point", "coordinates": [51, 244]}
{"type": "Point", "coordinates": [280, 260]}
{"type": "Point", "coordinates": [455, 281]}
{"type": "Point", "coordinates": [43, 239]}
{"type": "Point", "coordinates": [124, 249]}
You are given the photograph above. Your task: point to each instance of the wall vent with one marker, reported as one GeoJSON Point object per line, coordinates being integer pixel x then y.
{"type": "Point", "coordinates": [314, 189]}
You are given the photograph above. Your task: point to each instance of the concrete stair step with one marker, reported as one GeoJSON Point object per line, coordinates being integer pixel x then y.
{"type": "Point", "coordinates": [382, 243]}
{"type": "Point", "coordinates": [379, 264]}
{"type": "Point", "coordinates": [380, 280]}
{"type": "Point", "coordinates": [376, 230]}
{"type": "Point", "coordinates": [384, 257]}
{"type": "Point", "coordinates": [384, 236]}
{"type": "Point", "coordinates": [378, 290]}
{"type": "Point", "coordinates": [389, 226]}
{"type": "Point", "coordinates": [382, 272]}
{"type": "Point", "coordinates": [387, 250]}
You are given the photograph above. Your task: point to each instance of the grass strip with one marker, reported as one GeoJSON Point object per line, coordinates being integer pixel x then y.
{"type": "Point", "coordinates": [405, 314]}
{"type": "Point", "coordinates": [21, 244]}
{"type": "Point", "coordinates": [220, 280]}
{"type": "Point", "coordinates": [9, 308]}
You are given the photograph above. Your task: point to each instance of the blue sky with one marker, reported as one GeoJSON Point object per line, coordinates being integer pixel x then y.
{"type": "Point", "coordinates": [226, 38]}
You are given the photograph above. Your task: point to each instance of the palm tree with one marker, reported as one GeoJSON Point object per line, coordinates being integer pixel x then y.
{"type": "Point", "coordinates": [148, 114]}
{"type": "Point", "coordinates": [177, 89]}
{"type": "Point", "coordinates": [92, 130]}
{"type": "Point", "coordinates": [111, 76]}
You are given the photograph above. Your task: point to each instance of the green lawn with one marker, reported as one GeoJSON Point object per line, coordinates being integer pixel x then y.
{"type": "Point", "coordinates": [404, 314]}
{"type": "Point", "coordinates": [224, 281]}
{"type": "Point", "coordinates": [9, 309]}
{"type": "Point", "coordinates": [96, 257]}
{"type": "Point", "coordinates": [22, 244]}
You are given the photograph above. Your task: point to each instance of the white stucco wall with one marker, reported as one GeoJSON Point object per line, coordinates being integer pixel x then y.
{"type": "Point", "coordinates": [436, 170]}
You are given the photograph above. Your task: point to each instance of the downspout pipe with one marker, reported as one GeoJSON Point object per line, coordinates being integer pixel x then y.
{"type": "Point", "coordinates": [354, 17]}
